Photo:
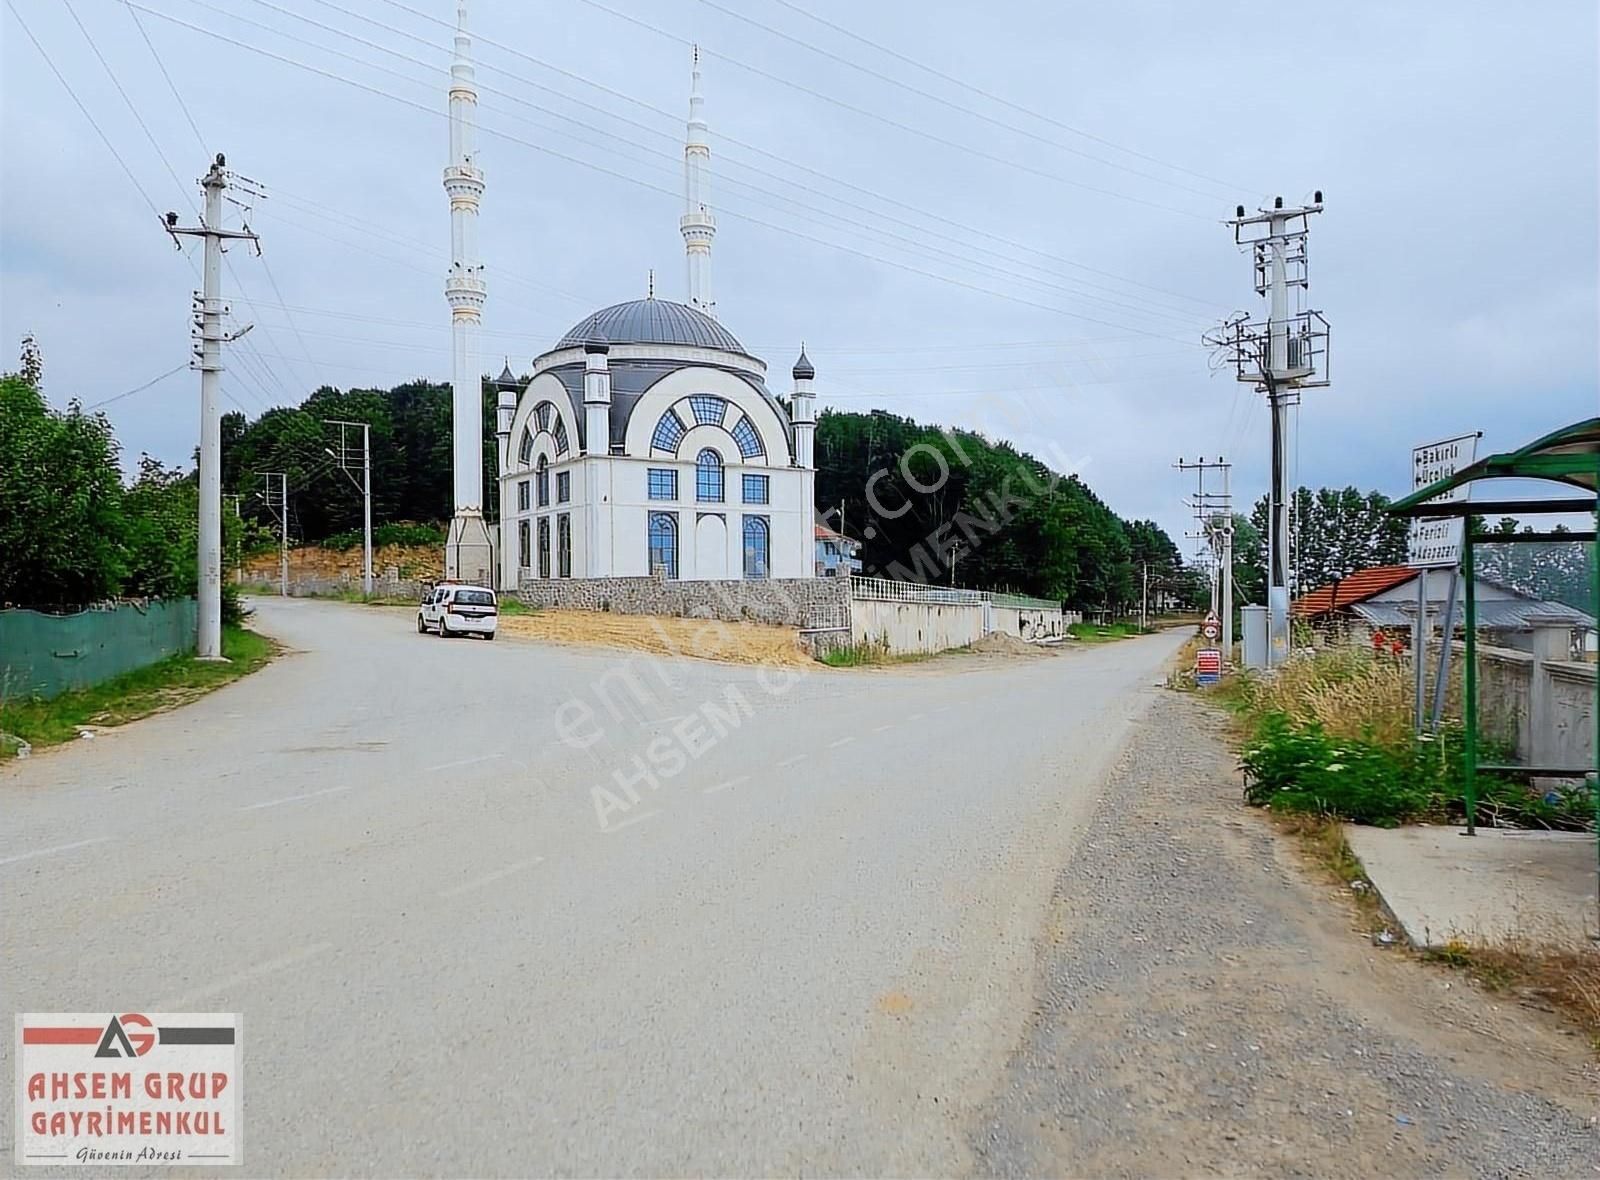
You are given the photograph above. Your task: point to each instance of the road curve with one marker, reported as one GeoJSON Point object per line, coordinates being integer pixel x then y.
{"type": "Point", "coordinates": [501, 909]}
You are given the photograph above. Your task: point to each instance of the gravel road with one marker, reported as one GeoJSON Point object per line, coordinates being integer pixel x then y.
{"type": "Point", "coordinates": [1205, 1006]}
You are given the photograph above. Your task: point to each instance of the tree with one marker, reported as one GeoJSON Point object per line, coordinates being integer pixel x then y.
{"type": "Point", "coordinates": [61, 523]}
{"type": "Point", "coordinates": [1249, 562]}
{"type": "Point", "coordinates": [941, 506]}
{"type": "Point", "coordinates": [1334, 533]}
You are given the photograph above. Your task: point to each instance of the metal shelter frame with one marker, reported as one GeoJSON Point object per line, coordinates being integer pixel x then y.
{"type": "Point", "coordinates": [1568, 456]}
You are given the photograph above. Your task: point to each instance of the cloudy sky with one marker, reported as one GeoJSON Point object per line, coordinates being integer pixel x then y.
{"type": "Point", "coordinates": [1004, 216]}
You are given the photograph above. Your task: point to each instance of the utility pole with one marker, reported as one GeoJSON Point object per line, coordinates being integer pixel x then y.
{"type": "Point", "coordinates": [1214, 513]}
{"type": "Point", "coordinates": [282, 513]}
{"type": "Point", "coordinates": [208, 360]}
{"type": "Point", "coordinates": [1144, 600]}
{"type": "Point", "coordinates": [1281, 357]}
{"type": "Point", "coordinates": [365, 487]}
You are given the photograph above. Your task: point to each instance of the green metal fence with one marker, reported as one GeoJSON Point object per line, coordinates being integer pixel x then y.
{"type": "Point", "coordinates": [45, 655]}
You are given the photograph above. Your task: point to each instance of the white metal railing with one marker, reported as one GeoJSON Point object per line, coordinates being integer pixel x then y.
{"type": "Point", "coordinates": [888, 590]}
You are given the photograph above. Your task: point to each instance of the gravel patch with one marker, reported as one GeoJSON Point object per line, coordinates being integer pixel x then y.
{"type": "Point", "coordinates": [1205, 1006]}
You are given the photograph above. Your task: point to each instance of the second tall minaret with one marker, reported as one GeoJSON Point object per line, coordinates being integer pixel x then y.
{"type": "Point", "coordinates": [468, 551]}
{"type": "Point", "coordinates": [697, 225]}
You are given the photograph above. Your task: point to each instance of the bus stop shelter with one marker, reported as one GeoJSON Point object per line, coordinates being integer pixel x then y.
{"type": "Point", "coordinates": [1570, 457]}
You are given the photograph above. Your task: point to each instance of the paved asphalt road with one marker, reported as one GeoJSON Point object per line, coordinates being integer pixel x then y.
{"type": "Point", "coordinates": [807, 949]}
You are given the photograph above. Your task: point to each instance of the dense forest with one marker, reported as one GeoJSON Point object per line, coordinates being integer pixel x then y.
{"type": "Point", "coordinates": [953, 507]}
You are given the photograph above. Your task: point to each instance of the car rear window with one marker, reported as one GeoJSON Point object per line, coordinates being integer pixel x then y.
{"type": "Point", "coordinates": [474, 598]}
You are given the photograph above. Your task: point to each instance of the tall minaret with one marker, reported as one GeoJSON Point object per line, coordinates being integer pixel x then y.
{"type": "Point", "coordinates": [468, 550]}
{"type": "Point", "coordinates": [697, 224]}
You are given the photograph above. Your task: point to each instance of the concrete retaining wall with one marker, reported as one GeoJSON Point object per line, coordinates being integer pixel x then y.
{"type": "Point", "coordinates": [1028, 622]}
{"type": "Point", "coordinates": [784, 602]}
{"type": "Point", "coordinates": [916, 626]}
{"type": "Point", "coordinates": [327, 587]}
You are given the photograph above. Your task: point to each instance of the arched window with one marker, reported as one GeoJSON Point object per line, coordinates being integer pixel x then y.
{"type": "Point", "coordinates": [708, 410]}
{"type": "Point", "coordinates": [525, 449]}
{"type": "Point", "coordinates": [560, 434]}
{"type": "Point", "coordinates": [543, 481]}
{"type": "Point", "coordinates": [708, 476]}
{"type": "Point", "coordinates": [749, 441]}
{"type": "Point", "coordinates": [669, 433]}
{"type": "Point", "coordinates": [664, 543]}
{"type": "Point", "coordinates": [541, 415]}
{"type": "Point", "coordinates": [756, 535]}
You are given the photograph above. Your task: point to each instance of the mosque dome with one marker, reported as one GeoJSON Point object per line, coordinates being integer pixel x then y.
{"type": "Point", "coordinates": [651, 321]}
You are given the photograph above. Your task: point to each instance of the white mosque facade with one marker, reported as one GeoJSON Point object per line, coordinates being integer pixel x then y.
{"type": "Point", "coordinates": [648, 442]}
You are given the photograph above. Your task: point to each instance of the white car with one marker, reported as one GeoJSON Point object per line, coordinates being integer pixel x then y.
{"type": "Point", "coordinates": [455, 609]}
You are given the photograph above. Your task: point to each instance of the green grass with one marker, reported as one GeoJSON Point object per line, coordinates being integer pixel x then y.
{"type": "Point", "coordinates": [856, 655]}
{"type": "Point", "coordinates": [871, 654]}
{"type": "Point", "coordinates": [515, 606]}
{"type": "Point", "coordinates": [1102, 632]}
{"type": "Point", "coordinates": [133, 695]}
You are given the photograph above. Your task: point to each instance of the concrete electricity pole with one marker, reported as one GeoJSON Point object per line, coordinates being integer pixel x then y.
{"type": "Point", "coordinates": [282, 513]}
{"type": "Point", "coordinates": [1214, 513]}
{"type": "Point", "coordinates": [1281, 357]}
{"type": "Point", "coordinates": [208, 644]}
{"type": "Point", "coordinates": [365, 487]}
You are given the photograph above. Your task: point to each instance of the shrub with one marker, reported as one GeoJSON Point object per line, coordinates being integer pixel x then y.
{"type": "Point", "coordinates": [1291, 767]}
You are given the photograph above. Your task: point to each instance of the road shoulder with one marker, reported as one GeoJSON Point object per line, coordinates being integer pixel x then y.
{"type": "Point", "coordinates": [1203, 1005]}
{"type": "Point", "coordinates": [157, 688]}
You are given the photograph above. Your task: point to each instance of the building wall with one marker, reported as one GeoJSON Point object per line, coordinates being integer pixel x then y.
{"type": "Point", "coordinates": [610, 505]}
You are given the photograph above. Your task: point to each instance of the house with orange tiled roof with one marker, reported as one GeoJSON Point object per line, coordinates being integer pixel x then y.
{"type": "Point", "coordinates": [1385, 598]}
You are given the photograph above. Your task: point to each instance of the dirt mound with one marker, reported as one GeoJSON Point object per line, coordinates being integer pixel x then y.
{"type": "Point", "coordinates": [1003, 643]}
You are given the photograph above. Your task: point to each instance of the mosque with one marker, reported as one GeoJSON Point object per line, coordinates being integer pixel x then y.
{"type": "Point", "coordinates": [648, 441]}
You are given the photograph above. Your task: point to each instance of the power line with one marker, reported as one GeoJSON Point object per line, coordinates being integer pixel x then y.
{"type": "Point", "coordinates": [942, 101]}
{"type": "Point", "coordinates": [110, 147]}
{"type": "Point", "coordinates": [885, 119]}
{"type": "Point", "coordinates": [967, 229]}
{"type": "Point", "coordinates": [171, 85]}
{"type": "Point", "coordinates": [828, 218]}
{"type": "Point", "coordinates": [746, 217]}
{"type": "Point", "coordinates": [178, 368]}
{"type": "Point", "coordinates": [876, 47]}
{"type": "Point", "coordinates": [145, 127]}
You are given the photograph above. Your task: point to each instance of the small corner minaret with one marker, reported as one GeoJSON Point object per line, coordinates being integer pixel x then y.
{"type": "Point", "coordinates": [468, 550]}
{"type": "Point", "coordinates": [803, 414]}
{"type": "Point", "coordinates": [697, 225]}
{"type": "Point", "coordinates": [803, 417]}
